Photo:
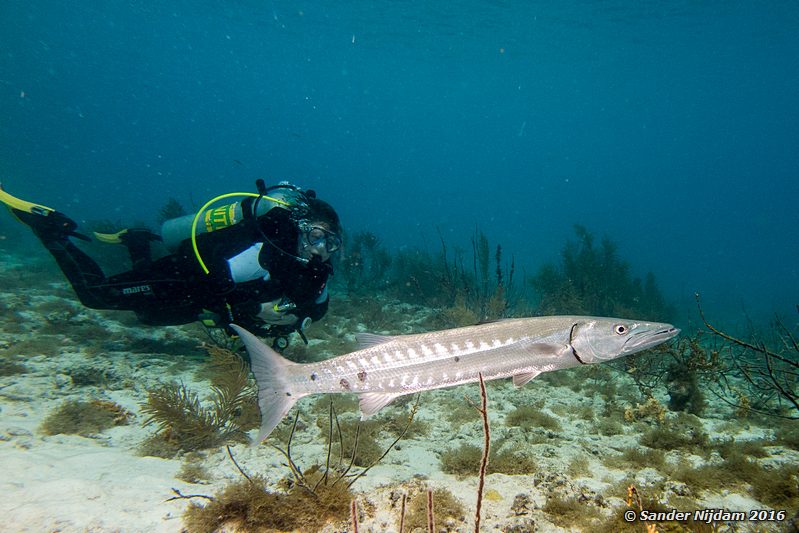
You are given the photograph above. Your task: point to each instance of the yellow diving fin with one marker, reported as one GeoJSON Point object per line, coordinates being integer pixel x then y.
{"type": "Point", "coordinates": [45, 221]}
{"type": "Point", "coordinates": [110, 238]}
{"type": "Point", "coordinates": [21, 205]}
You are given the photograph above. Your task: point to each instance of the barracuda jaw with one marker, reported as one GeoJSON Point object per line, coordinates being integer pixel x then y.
{"type": "Point", "coordinates": [649, 338]}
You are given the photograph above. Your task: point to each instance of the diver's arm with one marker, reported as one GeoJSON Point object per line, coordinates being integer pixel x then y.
{"type": "Point", "coordinates": [284, 312]}
{"type": "Point", "coordinates": [315, 309]}
{"type": "Point", "coordinates": [318, 310]}
{"type": "Point", "coordinates": [280, 312]}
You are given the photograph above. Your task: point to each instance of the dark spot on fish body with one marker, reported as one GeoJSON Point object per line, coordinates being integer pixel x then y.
{"type": "Point", "coordinates": [314, 375]}
{"type": "Point", "coordinates": [457, 359]}
{"type": "Point", "coordinates": [362, 375]}
{"type": "Point", "coordinates": [288, 394]}
{"type": "Point", "coordinates": [344, 384]}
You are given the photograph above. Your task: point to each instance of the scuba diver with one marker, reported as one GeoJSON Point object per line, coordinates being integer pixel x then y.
{"type": "Point", "coordinates": [262, 263]}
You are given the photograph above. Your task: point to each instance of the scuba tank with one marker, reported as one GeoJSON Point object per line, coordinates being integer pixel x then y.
{"type": "Point", "coordinates": [176, 230]}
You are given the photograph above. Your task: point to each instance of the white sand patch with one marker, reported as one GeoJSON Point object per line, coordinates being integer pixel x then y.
{"type": "Point", "coordinates": [75, 485]}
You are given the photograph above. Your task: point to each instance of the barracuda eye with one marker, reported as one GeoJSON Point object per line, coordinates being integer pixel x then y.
{"type": "Point", "coordinates": [620, 329]}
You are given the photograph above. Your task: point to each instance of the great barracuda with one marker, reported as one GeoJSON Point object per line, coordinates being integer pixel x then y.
{"type": "Point", "coordinates": [388, 367]}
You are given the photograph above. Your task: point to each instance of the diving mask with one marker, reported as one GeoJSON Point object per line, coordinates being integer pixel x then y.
{"type": "Point", "coordinates": [315, 235]}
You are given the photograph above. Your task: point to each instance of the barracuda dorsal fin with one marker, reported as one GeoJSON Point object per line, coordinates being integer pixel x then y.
{"type": "Point", "coordinates": [520, 380]}
{"type": "Point", "coordinates": [372, 402]}
{"type": "Point", "coordinates": [367, 340]}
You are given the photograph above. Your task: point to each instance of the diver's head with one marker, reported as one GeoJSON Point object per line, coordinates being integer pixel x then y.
{"type": "Point", "coordinates": [319, 231]}
{"type": "Point", "coordinates": [307, 231]}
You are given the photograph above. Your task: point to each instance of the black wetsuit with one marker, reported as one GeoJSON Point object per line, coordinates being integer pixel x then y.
{"type": "Point", "coordinates": [174, 289]}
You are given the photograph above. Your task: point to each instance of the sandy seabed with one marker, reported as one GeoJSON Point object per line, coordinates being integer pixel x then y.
{"type": "Point", "coordinates": [99, 482]}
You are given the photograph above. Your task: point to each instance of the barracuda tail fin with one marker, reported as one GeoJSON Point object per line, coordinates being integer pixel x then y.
{"type": "Point", "coordinates": [275, 397]}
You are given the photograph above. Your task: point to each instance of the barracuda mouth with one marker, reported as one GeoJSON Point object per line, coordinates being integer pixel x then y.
{"type": "Point", "coordinates": [647, 339]}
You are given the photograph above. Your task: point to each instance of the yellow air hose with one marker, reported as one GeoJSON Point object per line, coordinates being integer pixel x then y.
{"type": "Point", "coordinates": [216, 199]}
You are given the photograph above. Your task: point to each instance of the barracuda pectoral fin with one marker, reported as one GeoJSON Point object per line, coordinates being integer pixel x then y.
{"type": "Point", "coordinates": [520, 380]}
{"type": "Point", "coordinates": [367, 340]}
{"type": "Point", "coordinates": [372, 402]}
{"type": "Point", "coordinates": [537, 348]}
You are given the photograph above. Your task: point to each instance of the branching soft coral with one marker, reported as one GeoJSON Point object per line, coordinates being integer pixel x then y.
{"type": "Point", "coordinates": [181, 418]}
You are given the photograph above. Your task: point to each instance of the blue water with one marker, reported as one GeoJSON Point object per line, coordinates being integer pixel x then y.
{"type": "Point", "coordinates": [670, 127]}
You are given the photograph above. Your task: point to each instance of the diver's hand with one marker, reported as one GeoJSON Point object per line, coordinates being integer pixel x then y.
{"type": "Point", "coordinates": [279, 315]}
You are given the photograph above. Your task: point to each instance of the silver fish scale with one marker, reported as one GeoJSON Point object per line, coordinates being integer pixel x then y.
{"type": "Point", "coordinates": [428, 361]}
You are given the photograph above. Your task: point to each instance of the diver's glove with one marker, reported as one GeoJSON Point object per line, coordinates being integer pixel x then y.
{"type": "Point", "coordinates": [278, 312]}
{"type": "Point", "coordinates": [243, 314]}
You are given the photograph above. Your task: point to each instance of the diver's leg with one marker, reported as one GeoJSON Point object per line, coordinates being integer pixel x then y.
{"type": "Point", "coordinates": [157, 295]}
{"type": "Point", "coordinates": [158, 291]}
{"type": "Point", "coordinates": [54, 229]}
{"type": "Point", "coordinates": [83, 273]}
{"type": "Point", "coordinates": [136, 240]}
{"type": "Point", "coordinates": [162, 293]}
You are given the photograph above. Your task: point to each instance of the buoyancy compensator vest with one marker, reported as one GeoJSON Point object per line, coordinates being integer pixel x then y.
{"type": "Point", "coordinates": [208, 219]}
